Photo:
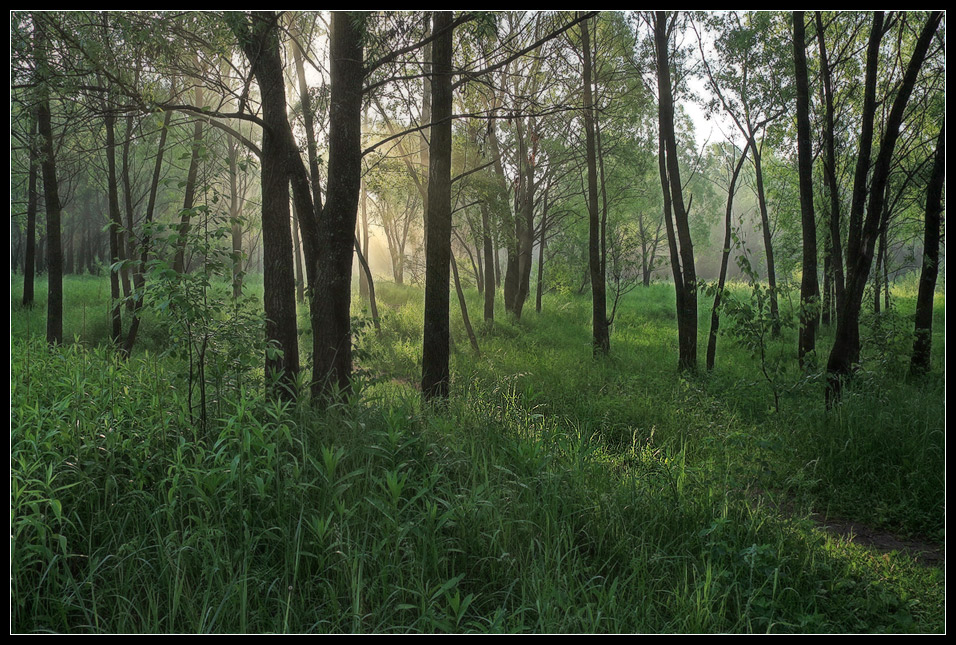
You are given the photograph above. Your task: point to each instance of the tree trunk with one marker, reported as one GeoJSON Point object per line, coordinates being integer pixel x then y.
{"type": "Point", "coordinates": [139, 276]}
{"type": "Point", "coordinates": [335, 229]}
{"type": "Point", "coordinates": [262, 50]}
{"type": "Point", "coordinates": [489, 251]}
{"type": "Point", "coordinates": [51, 193]}
{"type": "Point", "coordinates": [435, 343]}
{"type": "Point", "coordinates": [767, 240]}
{"type": "Point", "coordinates": [189, 196]}
{"type": "Point", "coordinates": [29, 258]}
{"type": "Point", "coordinates": [863, 233]}
{"type": "Point", "coordinates": [687, 285]}
{"type": "Point", "coordinates": [920, 362]}
{"type": "Point", "coordinates": [464, 308]}
{"type": "Point", "coordinates": [601, 340]}
{"type": "Point", "coordinates": [116, 322]}
{"type": "Point", "coordinates": [724, 260]}
{"type": "Point", "coordinates": [835, 249]}
{"type": "Point", "coordinates": [809, 287]}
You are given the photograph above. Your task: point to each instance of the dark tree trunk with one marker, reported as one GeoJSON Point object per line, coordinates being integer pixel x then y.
{"type": "Point", "coordinates": [724, 260]}
{"type": "Point", "coordinates": [863, 233]}
{"type": "Point", "coordinates": [920, 362]}
{"type": "Point", "coordinates": [189, 196]}
{"type": "Point", "coordinates": [835, 248]}
{"type": "Point", "coordinates": [29, 257]}
{"type": "Point", "coordinates": [139, 276]}
{"type": "Point", "coordinates": [435, 343]}
{"type": "Point", "coordinates": [51, 193]}
{"type": "Point", "coordinates": [464, 308]}
{"type": "Point", "coordinates": [767, 239]}
{"type": "Point", "coordinates": [116, 321]}
{"type": "Point", "coordinates": [601, 339]}
{"type": "Point", "coordinates": [809, 287]}
{"type": "Point", "coordinates": [335, 230]}
{"type": "Point", "coordinates": [262, 50]}
{"type": "Point", "coordinates": [687, 285]}
{"type": "Point", "coordinates": [489, 251]}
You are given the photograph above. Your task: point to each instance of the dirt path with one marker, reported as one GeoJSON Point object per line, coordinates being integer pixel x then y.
{"type": "Point", "coordinates": [926, 553]}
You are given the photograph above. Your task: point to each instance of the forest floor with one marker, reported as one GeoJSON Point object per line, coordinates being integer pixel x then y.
{"type": "Point", "coordinates": [554, 493]}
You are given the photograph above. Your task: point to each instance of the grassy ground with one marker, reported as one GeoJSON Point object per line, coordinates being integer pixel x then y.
{"type": "Point", "coordinates": [553, 493]}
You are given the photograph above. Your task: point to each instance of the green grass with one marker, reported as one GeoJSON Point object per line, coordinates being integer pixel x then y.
{"type": "Point", "coordinates": [553, 493]}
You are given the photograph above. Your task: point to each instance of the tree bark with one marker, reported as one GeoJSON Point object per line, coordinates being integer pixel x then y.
{"type": "Point", "coordinates": [922, 344]}
{"type": "Point", "coordinates": [489, 252]}
{"type": "Point", "coordinates": [261, 46]}
{"type": "Point", "coordinates": [189, 195]}
{"type": "Point", "coordinates": [51, 193]}
{"type": "Point", "coordinates": [29, 257]}
{"type": "Point", "coordinates": [601, 340]}
{"type": "Point", "coordinates": [835, 249]}
{"type": "Point", "coordinates": [116, 322]}
{"type": "Point", "coordinates": [435, 343]}
{"type": "Point", "coordinates": [863, 232]}
{"type": "Point", "coordinates": [335, 229]}
{"type": "Point", "coordinates": [687, 285]}
{"type": "Point", "coordinates": [724, 260]}
{"type": "Point", "coordinates": [809, 287]}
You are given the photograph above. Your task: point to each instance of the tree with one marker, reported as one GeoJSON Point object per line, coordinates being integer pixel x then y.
{"type": "Point", "coordinates": [435, 347]}
{"type": "Point", "coordinates": [922, 343]}
{"type": "Point", "coordinates": [51, 195]}
{"type": "Point", "coordinates": [29, 259]}
{"type": "Point", "coordinates": [864, 226]}
{"type": "Point", "coordinates": [675, 212]}
{"type": "Point", "coordinates": [258, 36]}
{"type": "Point", "coordinates": [599, 324]}
{"type": "Point", "coordinates": [809, 287]}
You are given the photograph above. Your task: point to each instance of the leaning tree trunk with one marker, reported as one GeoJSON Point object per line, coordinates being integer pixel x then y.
{"type": "Point", "coordinates": [920, 362]}
{"type": "Point", "coordinates": [863, 232]}
{"type": "Point", "coordinates": [724, 260]}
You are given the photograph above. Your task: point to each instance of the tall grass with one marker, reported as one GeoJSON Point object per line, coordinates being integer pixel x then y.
{"type": "Point", "coordinates": [553, 493]}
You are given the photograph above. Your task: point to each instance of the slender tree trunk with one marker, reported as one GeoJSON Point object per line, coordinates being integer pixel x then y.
{"type": "Point", "coordinates": [51, 193]}
{"type": "Point", "coordinates": [687, 286]}
{"type": "Point", "coordinates": [829, 170]}
{"type": "Point", "coordinates": [367, 274]}
{"type": "Point", "coordinates": [464, 308]}
{"type": "Point", "coordinates": [809, 287]}
{"type": "Point", "coordinates": [29, 257]}
{"type": "Point", "coordinates": [489, 251]}
{"type": "Point", "coordinates": [863, 233]}
{"type": "Point", "coordinates": [139, 276]}
{"type": "Point", "coordinates": [435, 344]}
{"type": "Point", "coordinates": [116, 322]}
{"type": "Point", "coordinates": [125, 233]}
{"type": "Point", "coordinates": [724, 260]}
{"type": "Point", "coordinates": [920, 361]}
{"type": "Point", "coordinates": [601, 340]}
{"type": "Point", "coordinates": [189, 196]}
{"type": "Point", "coordinates": [297, 252]}
{"type": "Point", "coordinates": [767, 239]}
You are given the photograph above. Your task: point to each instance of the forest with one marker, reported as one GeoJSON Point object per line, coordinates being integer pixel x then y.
{"type": "Point", "coordinates": [477, 322]}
